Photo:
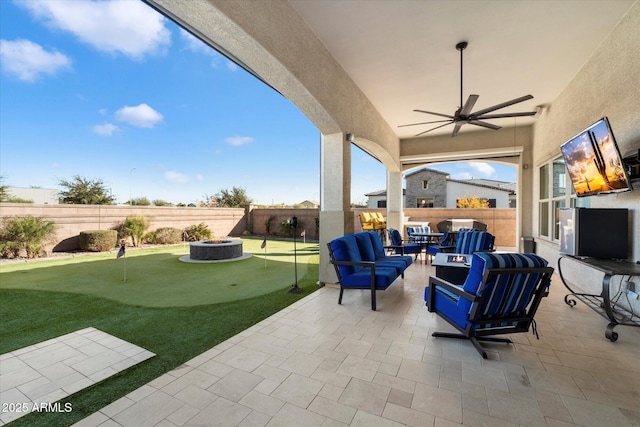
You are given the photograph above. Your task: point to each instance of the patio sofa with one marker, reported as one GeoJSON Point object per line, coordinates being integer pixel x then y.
{"type": "Point", "coordinates": [361, 263]}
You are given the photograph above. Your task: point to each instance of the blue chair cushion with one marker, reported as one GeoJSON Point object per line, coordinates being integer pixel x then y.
{"type": "Point", "coordinates": [346, 249]}
{"type": "Point", "coordinates": [378, 247]}
{"type": "Point", "coordinates": [362, 279]}
{"type": "Point", "coordinates": [365, 246]}
{"type": "Point", "coordinates": [485, 260]}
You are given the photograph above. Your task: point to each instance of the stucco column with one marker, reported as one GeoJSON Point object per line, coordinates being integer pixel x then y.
{"type": "Point", "coordinates": [336, 218]}
{"type": "Point", "coordinates": [395, 208]}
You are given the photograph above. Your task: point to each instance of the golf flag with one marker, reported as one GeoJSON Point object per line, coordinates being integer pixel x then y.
{"type": "Point", "coordinates": [264, 243]}
{"type": "Point", "coordinates": [120, 252]}
{"type": "Point", "coordinates": [185, 235]}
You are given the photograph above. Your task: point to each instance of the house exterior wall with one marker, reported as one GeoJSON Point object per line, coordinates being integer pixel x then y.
{"type": "Point", "coordinates": [437, 188]}
{"type": "Point", "coordinates": [45, 196]}
{"type": "Point", "coordinates": [456, 190]}
{"type": "Point", "coordinates": [607, 85]}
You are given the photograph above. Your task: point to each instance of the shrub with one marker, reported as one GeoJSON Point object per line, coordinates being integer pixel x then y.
{"type": "Point", "coordinates": [164, 236]}
{"type": "Point", "coordinates": [9, 249]}
{"type": "Point", "coordinates": [198, 232]}
{"type": "Point", "coordinates": [135, 226]}
{"type": "Point", "coordinates": [287, 229]}
{"type": "Point", "coordinates": [29, 232]}
{"type": "Point", "coordinates": [98, 240]}
{"type": "Point", "coordinates": [267, 223]}
{"type": "Point", "coordinates": [160, 202]}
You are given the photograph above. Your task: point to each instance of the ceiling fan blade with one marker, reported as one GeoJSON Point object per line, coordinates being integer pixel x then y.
{"type": "Point", "coordinates": [437, 127]}
{"type": "Point", "coordinates": [484, 124]}
{"type": "Point", "coordinates": [500, 116]}
{"type": "Point", "coordinates": [457, 127]}
{"type": "Point", "coordinates": [424, 123]}
{"type": "Point", "coordinates": [435, 114]}
{"type": "Point", "coordinates": [503, 105]}
{"type": "Point", "coordinates": [468, 106]}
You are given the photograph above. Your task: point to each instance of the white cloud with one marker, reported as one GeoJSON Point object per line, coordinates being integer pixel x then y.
{"type": "Point", "coordinates": [238, 140]}
{"type": "Point", "coordinates": [27, 60]}
{"type": "Point", "coordinates": [199, 177]}
{"type": "Point", "coordinates": [485, 170]}
{"type": "Point", "coordinates": [177, 177]}
{"type": "Point", "coordinates": [141, 116]}
{"type": "Point", "coordinates": [115, 26]}
{"type": "Point", "coordinates": [232, 65]}
{"type": "Point", "coordinates": [106, 129]}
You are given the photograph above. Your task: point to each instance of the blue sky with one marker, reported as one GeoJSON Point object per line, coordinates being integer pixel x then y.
{"type": "Point", "coordinates": [152, 112]}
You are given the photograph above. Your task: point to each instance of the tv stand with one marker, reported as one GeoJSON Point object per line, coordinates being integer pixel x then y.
{"type": "Point", "coordinates": [602, 303]}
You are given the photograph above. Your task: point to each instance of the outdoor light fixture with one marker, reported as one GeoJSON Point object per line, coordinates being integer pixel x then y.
{"type": "Point", "coordinates": [294, 224]}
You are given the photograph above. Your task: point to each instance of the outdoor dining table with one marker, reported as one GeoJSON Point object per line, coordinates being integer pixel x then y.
{"type": "Point", "coordinates": [430, 239]}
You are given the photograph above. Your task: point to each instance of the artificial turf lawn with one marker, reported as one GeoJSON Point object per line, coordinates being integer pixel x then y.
{"type": "Point", "coordinates": [157, 278]}
{"type": "Point", "coordinates": [175, 334]}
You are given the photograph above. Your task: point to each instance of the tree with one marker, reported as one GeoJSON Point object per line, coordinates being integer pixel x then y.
{"type": "Point", "coordinates": [235, 198]}
{"type": "Point", "coordinates": [140, 201]}
{"type": "Point", "coordinates": [82, 191]}
{"type": "Point", "coordinates": [3, 191]}
{"type": "Point", "coordinates": [472, 202]}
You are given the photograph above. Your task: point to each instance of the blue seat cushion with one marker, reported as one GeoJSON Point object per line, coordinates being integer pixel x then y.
{"type": "Point", "coordinates": [378, 250]}
{"type": "Point", "coordinates": [446, 304]}
{"type": "Point", "coordinates": [362, 279]}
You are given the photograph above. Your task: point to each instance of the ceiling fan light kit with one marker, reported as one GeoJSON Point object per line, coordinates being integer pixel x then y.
{"type": "Point", "coordinates": [464, 114]}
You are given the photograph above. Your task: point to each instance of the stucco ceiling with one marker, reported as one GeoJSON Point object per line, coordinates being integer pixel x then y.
{"type": "Point", "coordinates": [402, 53]}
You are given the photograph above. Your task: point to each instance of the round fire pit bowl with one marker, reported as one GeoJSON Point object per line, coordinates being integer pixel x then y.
{"type": "Point", "coordinates": [215, 251]}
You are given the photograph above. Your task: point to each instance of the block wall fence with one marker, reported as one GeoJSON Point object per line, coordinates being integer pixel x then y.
{"type": "Point", "coordinates": [70, 220]}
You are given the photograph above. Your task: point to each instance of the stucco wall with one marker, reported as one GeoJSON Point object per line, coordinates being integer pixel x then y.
{"type": "Point", "coordinates": [501, 222]}
{"type": "Point", "coordinates": [306, 220]}
{"type": "Point", "coordinates": [70, 220]}
{"type": "Point", "coordinates": [607, 85]}
{"type": "Point", "coordinates": [456, 190]}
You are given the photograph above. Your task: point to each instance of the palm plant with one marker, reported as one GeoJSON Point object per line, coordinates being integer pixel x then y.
{"type": "Point", "coordinates": [29, 232]}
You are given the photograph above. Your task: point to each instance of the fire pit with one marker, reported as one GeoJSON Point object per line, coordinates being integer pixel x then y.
{"type": "Point", "coordinates": [215, 250]}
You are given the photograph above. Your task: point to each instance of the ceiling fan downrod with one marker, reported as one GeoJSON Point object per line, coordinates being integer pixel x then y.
{"type": "Point", "coordinates": [461, 46]}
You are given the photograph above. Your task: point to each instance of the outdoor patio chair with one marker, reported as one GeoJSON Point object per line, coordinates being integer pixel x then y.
{"type": "Point", "coordinates": [500, 296]}
{"type": "Point", "coordinates": [398, 246]}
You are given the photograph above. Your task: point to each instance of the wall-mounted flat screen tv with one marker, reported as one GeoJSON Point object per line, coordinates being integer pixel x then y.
{"type": "Point", "coordinates": [594, 162]}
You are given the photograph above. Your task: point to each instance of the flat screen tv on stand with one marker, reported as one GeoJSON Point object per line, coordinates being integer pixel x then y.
{"type": "Point", "coordinates": [594, 162]}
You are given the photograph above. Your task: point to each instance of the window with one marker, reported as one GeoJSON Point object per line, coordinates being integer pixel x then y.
{"type": "Point", "coordinates": [425, 184]}
{"type": "Point", "coordinates": [425, 202]}
{"type": "Point", "coordinates": [382, 203]}
{"type": "Point", "coordinates": [555, 193]}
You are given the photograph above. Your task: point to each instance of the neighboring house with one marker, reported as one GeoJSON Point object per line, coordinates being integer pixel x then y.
{"type": "Point", "coordinates": [309, 204]}
{"type": "Point", "coordinates": [42, 196]}
{"type": "Point", "coordinates": [429, 188]}
{"type": "Point", "coordinates": [378, 199]}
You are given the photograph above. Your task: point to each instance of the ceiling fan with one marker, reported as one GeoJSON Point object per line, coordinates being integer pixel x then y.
{"type": "Point", "coordinates": [464, 115]}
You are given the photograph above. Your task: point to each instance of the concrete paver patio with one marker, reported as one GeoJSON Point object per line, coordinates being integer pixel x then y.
{"type": "Point", "coordinates": [317, 363]}
{"type": "Point", "coordinates": [36, 376]}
